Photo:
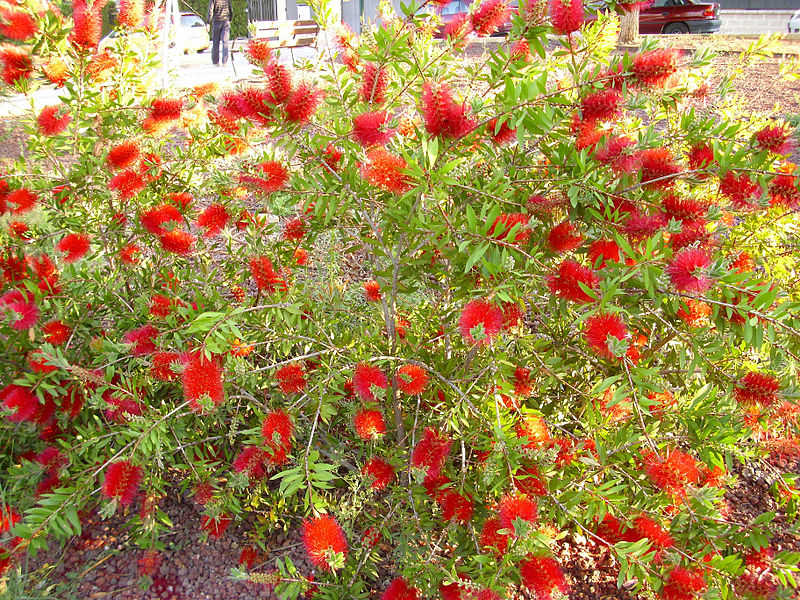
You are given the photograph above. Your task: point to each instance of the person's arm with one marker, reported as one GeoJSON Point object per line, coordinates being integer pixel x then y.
{"type": "Point", "coordinates": [210, 8]}
{"type": "Point", "coordinates": [230, 10]}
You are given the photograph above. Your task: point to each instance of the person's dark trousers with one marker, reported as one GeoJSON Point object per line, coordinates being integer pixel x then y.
{"type": "Point", "coordinates": [220, 32]}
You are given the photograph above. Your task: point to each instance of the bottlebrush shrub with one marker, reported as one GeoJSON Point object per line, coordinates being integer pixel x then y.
{"type": "Point", "coordinates": [337, 291]}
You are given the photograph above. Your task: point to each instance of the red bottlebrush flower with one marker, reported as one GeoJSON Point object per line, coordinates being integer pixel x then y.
{"type": "Point", "coordinates": [300, 106]}
{"type": "Point", "coordinates": [128, 254]}
{"type": "Point", "coordinates": [332, 156]}
{"type": "Point", "coordinates": [480, 318]}
{"type": "Point", "coordinates": [785, 191]}
{"type": "Point", "coordinates": [775, 138]}
{"type": "Point", "coordinates": [517, 506]}
{"type": "Point", "coordinates": [17, 64]}
{"type": "Point", "coordinates": [687, 272]}
{"type": "Point", "coordinates": [529, 481]}
{"type": "Point", "coordinates": [672, 471]}
{"type": "Point", "coordinates": [277, 429]}
{"type": "Point", "coordinates": [131, 13]}
{"type": "Point", "coordinates": [458, 27]}
{"type": "Point", "coordinates": [87, 25]}
{"type": "Point", "coordinates": [501, 135]}
{"type": "Point", "coordinates": [640, 226]}
{"type": "Point", "coordinates": [160, 306]}
{"type": "Point", "coordinates": [522, 381]}
{"type": "Point", "coordinates": [294, 229]}
{"type": "Point", "coordinates": [565, 282]}
{"type": "Point", "coordinates": [291, 378]}
{"type": "Point", "coordinates": [38, 362]}
{"type": "Point", "coordinates": [522, 51]}
{"type": "Point", "coordinates": [74, 246]}
{"type": "Point", "coordinates": [249, 554]}
{"type": "Point", "coordinates": [683, 584]}
{"type": "Point", "coordinates": [251, 462]}
{"type": "Point", "coordinates": [123, 155]}
{"type": "Point", "coordinates": [619, 154]}
{"type": "Point", "coordinates": [215, 526]}
{"type": "Point", "coordinates": [322, 537]}
{"type": "Point", "coordinates": [373, 88]}
{"type": "Point", "coordinates": [654, 68]}
{"type": "Point", "coordinates": [512, 315]}
{"type": "Point", "coordinates": [122, 481]}
{"type": "Point", "coordinates": [161, 367]}
{"type": "Point", "coordinates": [691, 233]}
{"type": "Point", "coordinates": [701, 156]}
{"type": "Point", "coordinates": [142, 339]}
{"type": "Point", "coordinates": [456, 507]}
{"type": "Point", "coordinates": [566, 16]}
{"type": "Point", "coordinates": [444, 116]}
{"type": "Point", "coordinates": [149, 563]}
{"type": "Point", "coordinates": [46, 273]}
{"type": "Point", "coordinates": [757, 388]}
{"type": "Point", "coordinates": [564, 237]}
{"type": "Point", "coordinates": [21, 401]}
{"type": "Point", "coordinates": [258, 52]}
{"type": "Point", "coordinates": [385, 170]}
{"type": "Point", "coordinates": [491, 14]}
{"type": "Point", "coordinates": [380, 471]}
{"type": "Point", "coordinates": [412, 379]}
{"type": "Point", "coordinates": [21, 201]}
{"type": "Point", "coordinates": [17, 25]}
{"type": "Point", "coordinates": [25, 314]}
{"type": "Point", "coordinates": [53, 120]}
{"type": "Point", "coordinates": [365, 377]}
{"type": "Point", "coordinates": [369, 424]}
{"type": "Point", "coordinates": [740, 190]}
{"type": "Point", "coordinates": [265, 276]}
{"type": "Point", "coordinates": [127, 183]}
{"type": "Point", "coordinates": [56, 332]}
{"type": "Point", "coordinates": [602, 251]}
{"type": "Point", "coordinates": [658, 536]}
{"type": "Point", "coordinates": [19, 230]}
{"type": "Point", "coordinates": [698, 313]}
{"type": "Point", "coordinates": [505, 222]}
{"type": "Point", "coordinates": [166, 109]}
{"type": "Point", "coordinates": [683, 209]}
{"type": "Point", "coordinates": [372, 291]}
{"type": "Point", "coordinates": [280, 82]}
{"type": "Point", "coordinates": [155, 219]}
{"type": "Point", "coordinates": [657, 168]}
{"type": "Point", "coordinates": [55, 71]}
{"type": "Point", "coordinates": [400, 590]}
{"type": "Point", "coordinates": [541, 574]}
{"type": "Point", "coordinates": [490, 538]}
{"type": "Point", "coordinates": [178, 242]}
{"type": "Point", "coordinates": [534, 429]}
{"type": "Point", "coordinates": [601, 106]}
{"type": "Point", "coordinates": [300, 257]}
{"type": "Point", "coordinates": [203, 493]}
{"type": "Point", "coordinates": [202, 378]}
{"type": "Point", "coordinates": [272, 176]}
{"type": "Point", "coordinates": [431, 451]}
{"type": "Point", "coordinates": [599, 327]}
{"type": "Point", "coordinates": [372, 128]}
{"type": "Point", "coordinates": [213, 219]}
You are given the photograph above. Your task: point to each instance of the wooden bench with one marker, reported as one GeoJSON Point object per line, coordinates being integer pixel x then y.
{"type": "Point", "coordinates": [285, 34]}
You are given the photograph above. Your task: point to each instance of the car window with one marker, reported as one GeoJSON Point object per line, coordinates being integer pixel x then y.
{"type": "Point", "coordinates": [455, 6]}
{"type": "Point", "coordinates": [191, 21]}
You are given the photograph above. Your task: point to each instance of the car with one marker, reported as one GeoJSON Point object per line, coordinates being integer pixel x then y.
{"type": "Point", "coordinates": [193, 34]}
{"type": "Point", "coordinates": [455, 8]}
{"type": "Point", "coordinates": [794, 22]}
{"type": "Point", "coordinates": [680, 16]}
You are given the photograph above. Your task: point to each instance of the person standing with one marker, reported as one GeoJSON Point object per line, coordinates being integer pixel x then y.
{"type": "Point", "coordinates": [220, 13]}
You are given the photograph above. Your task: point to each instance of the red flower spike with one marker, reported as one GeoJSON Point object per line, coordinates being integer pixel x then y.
{"type": "Point", "coordinates": [87, 25]}
{"type": "Point", "coordinates": [300, 106]}
{"type": "Point", "coordinates": [372, 291]}
{"type": "Point", "coordinates": [412, 379]}
{"type": "Point", "coordinates": [265, 276]}
{"type": "Point", "coordinates": [619, 154]}
{"type": "Point", "coordinates": [123, 155]}
{"type": "Point", "coordinates": [202, 378]}
{"type": "Point", "coordinates": [505, 222]}
{"type": "Point", "coordinates": [249, 554]}
{"type": "Point", "coordinates": [21, 201]}
{"type": "Point", "coordinates": [380, 471]}
{"type": "Point", "coordinates": [213, 219]}
{"type": "Point", "coordinates": [375, 81]}
{"type": "Point", "coordinates": [127, 183]}
{"type": "Point", "coordinates": [130, 13]}
{"type": "Point", "coordinates": [161, 367]}
{"type": "Point", "coordinates": [456, 507]}
{"type": "Point", "coordinates": [277, 429]}
{"type": "Point", "coordinates": [565, 282]}
{"type": "Point", "coordinates": [687, 271]}
{"type": "Point", "coordinates": [654, 68]}
{"type": "Point", "coordinates": [431, 452]}
{"type": "Point", "coordinates": [385, 170]}
{"type": "Point", "coordinates": [122, 481]}
{"type": "Point", "coordinates": [258, 52]}
{"type": "Point", "coordinates": [443, 116]}
{"type": "Point", "coordinates": [601, 106]}
{"type": "Point", "coordinates": [74, 246]}
{"type": "Point", "coordinates": [369, 424]}
{"type": "Point", "coordinates": [647, 527]}
{"type": "Point", "coordinates": [599, 327]}
{"type": "Point", "coordinates": [156, 219]}
{"type": "Point", "coordinates": [756, 388]}
{"type": "Point", "coordinates": [672, 471]}
{"type": "Point", "coordinates": [657, 168]}
{"type": "Point", "coordinates": [53, 120]}
{"type": "Point", "coordinates": [163, 110]}
{"type": "Point", "coordinates": [492, 539]}
{"type": "Point", "coordinates": [566, 16]}
{"type": "Point", "coordinates": [517, 506]}
{"type": "Point", "coordinates": [372, 128]}
{"type": "Point", "coordinates": [365, 377]}
{"type": "Point", "coordinates": [564, 237]}
{"type": "Point", "coordinates": [149, 563]}
{"type": "Point", "coordinates": [683, 584]}
{"type": "Point", "coordinates": [56, 332]}
{"type": "Point", "coordinates": [251, 462]}
{"type": "Point", "coordinates": [142, 340]}
{"type": "Point", "coordinates": [322, 536]}
{"type": "Point", "coordinates": [291, 378]}
{"type": "Point", "coordinates": [294, 230]}
{"type": "Point", "coordinates": [504, 135]}
{"type": "Point", "coordinates": [775, 138]}
{"type": "Point", "coordinates": [480, 314]}
{"type": "Point", "coordinates": [178, 242]}
{"type": "Point", "coordinates": [491, 14]}
{"type": "Point", "coordinates": [399, 589]}
{"type": "Point", "coordinates": [534, 429]}
{"type": "Point", "coordinates": [272, 176]}
{"type": "Point", "coordinates": [215, 526]}
{"type": "Point", "coordinates": [542, 575]}
{"type": "Point", "coordinates": [17, 25]}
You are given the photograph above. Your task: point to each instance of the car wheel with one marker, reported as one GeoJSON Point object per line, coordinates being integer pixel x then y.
{"type": "Point", "coordinates": [671, 28]}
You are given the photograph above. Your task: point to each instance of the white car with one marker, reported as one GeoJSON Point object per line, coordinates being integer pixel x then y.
{"type": "Point", "coordinates": [794, 22]}
{"type": "Point", "coordinates": [193, 33]}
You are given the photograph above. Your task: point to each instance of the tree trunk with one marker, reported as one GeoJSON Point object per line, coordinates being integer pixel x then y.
{"type": "Point", "coordinates": [629, 27]}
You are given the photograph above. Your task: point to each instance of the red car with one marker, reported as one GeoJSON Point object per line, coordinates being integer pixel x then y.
{"type": "Point", "coordinates": [664, 16]}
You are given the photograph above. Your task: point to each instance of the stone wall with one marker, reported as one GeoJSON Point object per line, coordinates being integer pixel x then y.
{"type": "Point", "coordinates": [755, 21]}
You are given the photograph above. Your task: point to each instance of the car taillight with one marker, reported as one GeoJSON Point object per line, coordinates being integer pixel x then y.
{"type": "Point", "coordinates": [709, 12]}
